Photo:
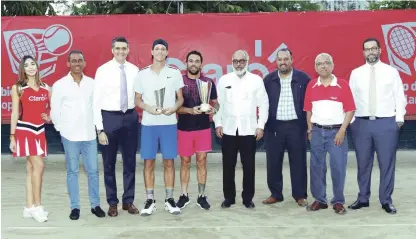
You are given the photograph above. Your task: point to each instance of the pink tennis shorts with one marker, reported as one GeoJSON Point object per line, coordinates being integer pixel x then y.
{"type": "Point", "coordinates": [191, 142]}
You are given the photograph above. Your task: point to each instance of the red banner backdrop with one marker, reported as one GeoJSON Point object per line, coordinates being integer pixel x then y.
{"type": "Point", "coordinates": [217, 36]}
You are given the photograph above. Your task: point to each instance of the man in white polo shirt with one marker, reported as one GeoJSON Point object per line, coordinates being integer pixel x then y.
{"type": "Point", "coordinates": [159, 93]}
{"type": "Point", "coordinates": [329, 107]}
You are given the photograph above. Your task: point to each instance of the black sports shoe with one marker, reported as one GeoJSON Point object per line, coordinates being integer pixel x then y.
{"type": "Point", "coordinates": [171, 206]}
{"type": "Point", "coordinates": [149, 207]}
{"type": "Point", "coordinates": [203, 203]}
{"type": "Point", "coordinates": [74, 214]}
{"type": "Point", "coordinates": [183, 201]}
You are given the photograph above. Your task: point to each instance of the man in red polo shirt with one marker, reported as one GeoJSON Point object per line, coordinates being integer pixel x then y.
{"type": "Point", "coordinates": [329, 107]}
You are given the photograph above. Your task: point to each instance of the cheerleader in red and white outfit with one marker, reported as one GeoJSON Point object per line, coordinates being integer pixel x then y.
{"type": "Point", "coordinates": [30, 96]}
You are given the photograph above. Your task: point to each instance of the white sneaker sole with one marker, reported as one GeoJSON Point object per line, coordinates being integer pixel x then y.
{"type": "Point", "coordinates": [185, 204]}
{"type": "Point", "coordinates": [41, 219]}
{"type": "Point", "coordinates": [145, 214]}
{"type": "Point", "coordinates": [28, 215]}
{"type": "Point", "coordinates": [202, 207]}
{"type": "Point", "coordinates": [172, 212]}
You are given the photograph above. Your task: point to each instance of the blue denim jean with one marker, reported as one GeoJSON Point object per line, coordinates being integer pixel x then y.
{"type": "Point", "coordinates": [73, 151]}
{"type": "Point", "coordinates": [322, 143]}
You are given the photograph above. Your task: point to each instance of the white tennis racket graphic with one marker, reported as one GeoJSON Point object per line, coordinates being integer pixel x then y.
{"type": "Point", "coordinates": [56, 41]}
{"type": "Point", "coordinates": [402, 42]}
{"type": "Point", "coordinates": [22, 44]}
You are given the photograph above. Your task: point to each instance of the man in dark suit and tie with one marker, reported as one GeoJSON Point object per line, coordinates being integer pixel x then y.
{"type": "Point", "coordinates": [286, 129]}
{"type": "Point", "coordinates": [117, 123]}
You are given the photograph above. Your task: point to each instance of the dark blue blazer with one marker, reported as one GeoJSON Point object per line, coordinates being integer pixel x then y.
{"type": "Point", "coordinates": [299, 83]}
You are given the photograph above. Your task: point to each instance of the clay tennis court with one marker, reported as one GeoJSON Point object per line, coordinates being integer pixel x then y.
{"type": "Point", "coordinates": [282, 220]}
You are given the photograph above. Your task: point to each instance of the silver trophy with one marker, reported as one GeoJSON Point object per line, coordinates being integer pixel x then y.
{"type": "Point", "coordinates": [160, 98]}
{"type": "Point", "coordinates": [204, 90]}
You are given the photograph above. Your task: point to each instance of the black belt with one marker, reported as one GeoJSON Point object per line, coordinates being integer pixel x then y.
{"type": "Point", "coordinates": [371, 117]}
{"type": "Point", "coordinates": [287, 121]}
{"type": "Point", "coordinates": [118, 111]}
{"type": "Point", "coordinates": [334, 126]}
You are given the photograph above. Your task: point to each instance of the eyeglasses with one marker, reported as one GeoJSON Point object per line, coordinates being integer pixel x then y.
{"type": "Point", "coordinates": [326, 63]}
{"type": "Point", "coordinates": [372, 49]}
{"type": "Point", "coordinates": [241, 61]}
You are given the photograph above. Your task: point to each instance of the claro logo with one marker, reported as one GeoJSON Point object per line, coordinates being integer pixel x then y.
{"type": "Point", "coordinates": [37, 98]}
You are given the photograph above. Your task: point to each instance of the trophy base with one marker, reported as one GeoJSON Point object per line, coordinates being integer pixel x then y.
{"type": "Point", "coordinates": [204, 108]}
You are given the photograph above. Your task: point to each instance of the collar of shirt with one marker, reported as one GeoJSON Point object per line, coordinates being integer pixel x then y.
{"type": "Point", "coordinates": [334, 81]}
{"type": "Point", "coordinates": [118, 64]}
{"type": "Point", "coordinates": [238, 80]}
{"type": "Point", "coordinates": [159, 79]}
{"type": "Point", "coordinates": [162, 73]}
{"type": "Point", "coordinates": [201, 77]}
{"type": "Point", "coordinates": [287, 77]}
{"type": "Point", "coordinates": [378, 64]}
{"type": "Point", "coordinates": [72, 79]}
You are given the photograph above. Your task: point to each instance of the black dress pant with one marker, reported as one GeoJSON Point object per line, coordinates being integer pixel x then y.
{"type": "Point", "coordinates": [230, 146]}
{"type": "Point", "coordinates": [121, 129]}
{"type": "Point", "coordinates": [290, 136]}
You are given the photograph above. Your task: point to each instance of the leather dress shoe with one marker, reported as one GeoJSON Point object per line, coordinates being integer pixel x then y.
{"type": "Point", "coordinates": [249, 205]}
{"type": "Point", "coordinates": [112, 211]}
{"type": "Point", "coordinates": [129, 207]}
{"type": "Point", "coordinates": [357, 205]}
{"type": "Point", "coordinates": [317, 206]}
{"type": "Point", "coordinates": [389, 208]}
{"type": "Point", "coordinates": [227, 203]}
{"type": "Point", "coordinates": [339, 208]}
{"type": "Point", "coordinates": [271, 200]}
{"type": "Point", "coordinates": [302, 202]}
{"type": "Point", "coordinates": [97, 211]}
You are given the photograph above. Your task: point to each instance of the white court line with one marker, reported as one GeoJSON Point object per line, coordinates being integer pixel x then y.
{"type": "Point", "coordinates": [212, 227]}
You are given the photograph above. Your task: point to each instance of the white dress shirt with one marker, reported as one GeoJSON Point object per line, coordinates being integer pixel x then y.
{"type": "Point", "coordinates": [238, 99]}
{"type": "Point", "coordinates": [107, 88]}
{"type": "Point", "coordinates": [391, 100]}
{"type": "Point", "coordinates": [71, 108]}
{"type": "Point", "coordinates": [148, 81]}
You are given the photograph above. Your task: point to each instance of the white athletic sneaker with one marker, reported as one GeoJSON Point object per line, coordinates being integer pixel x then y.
{"type": "Point", "coordinates": [27, 214]}
{"type": "Point", "coordinates": [171, 207]}
{"type": "Point", "coordinates": [149, 207]}
{"type": "Point", "coordinates": [39, 214]}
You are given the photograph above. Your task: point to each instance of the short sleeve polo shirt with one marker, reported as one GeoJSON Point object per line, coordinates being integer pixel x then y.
{"type": "Point", "coordinates": [188, 122]}
{"type": "Point", "coordinates": [328, 104]}
{"type": "Point", "coordinates": [148, 81]}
